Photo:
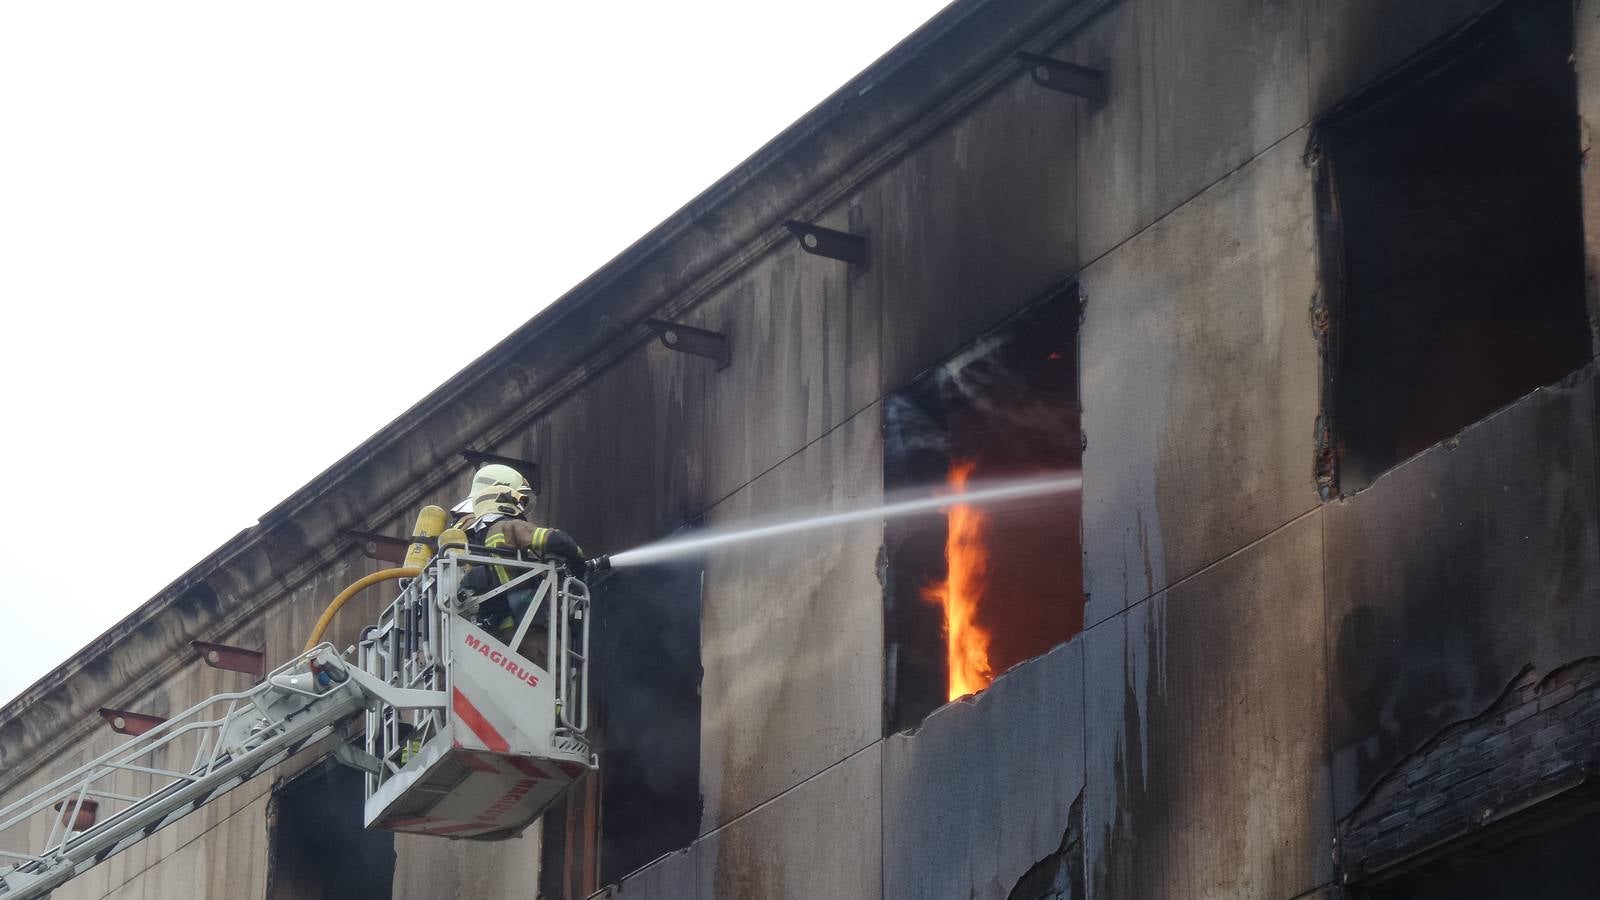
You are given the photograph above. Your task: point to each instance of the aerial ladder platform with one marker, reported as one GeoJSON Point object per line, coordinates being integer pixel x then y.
{"type": "Point", "coordinates": [461, 735]}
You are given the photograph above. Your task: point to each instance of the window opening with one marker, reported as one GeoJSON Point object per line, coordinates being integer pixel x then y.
{"type": "Point", "coordinates": [320, 850]}
{"type": "Point", "coordinates": [1452, 240]}
{"type": "Point", "coordinates": [646, 675]}
{"type": "Point", "coordinates": [972, 593]}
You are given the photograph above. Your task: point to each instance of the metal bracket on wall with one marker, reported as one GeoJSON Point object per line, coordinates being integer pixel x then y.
{"type": "Point", "coordinates": [694, 341]}
{"type": "Point", "coordinates": [383, 547]}
{"type": "Point", "coordinates": [819, 241]}
{"type": "Point", "coordinates": [130, 723]}
{"type": "Point", "coordinates": [233, 659]}
{"type": "Point", "coordinates": [1068, 78]}
{"type": "Point", "coordinates": [528, 468]}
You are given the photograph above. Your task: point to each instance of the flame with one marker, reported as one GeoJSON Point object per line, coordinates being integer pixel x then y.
{"type": "Point", "coordinates": [967, 574]}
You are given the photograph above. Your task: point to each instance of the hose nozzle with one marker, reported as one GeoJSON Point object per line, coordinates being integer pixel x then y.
{"type": "Point", "coordinates": [598, 564]}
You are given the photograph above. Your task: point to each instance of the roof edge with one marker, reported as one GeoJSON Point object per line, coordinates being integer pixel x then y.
{"type": "Point", "coordinates": [836, 140]}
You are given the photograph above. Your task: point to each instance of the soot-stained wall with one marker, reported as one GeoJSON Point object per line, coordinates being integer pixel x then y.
{"type": "Point", "coordinates": [1254, 658]}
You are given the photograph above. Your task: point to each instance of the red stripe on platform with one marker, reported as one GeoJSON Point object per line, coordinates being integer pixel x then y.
{"type": "Point", "coordinates": [477, 763]}
{"type": "Point", "coordinates": [525, 767]}
{"type": "Point", "coordinates": [474, 720]}
{"type": "Point", "coordinates": [407, 822]}
{"type": "Point", "coordinates": [452, 829]}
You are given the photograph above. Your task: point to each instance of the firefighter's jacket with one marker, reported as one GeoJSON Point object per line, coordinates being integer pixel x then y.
{"type": "Point", "coordinates": [503, 534]}
{"type": "Point", "coordinates": [506, 533]}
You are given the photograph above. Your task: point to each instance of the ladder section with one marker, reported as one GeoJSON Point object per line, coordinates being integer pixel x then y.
{"type": "Point", "coordinates": [157, 778]}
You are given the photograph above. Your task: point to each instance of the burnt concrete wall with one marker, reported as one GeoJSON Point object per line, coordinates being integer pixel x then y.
{"type": "Point", "coordinates": [1254, 660]}
{"type": "Point", "coordinates": [959, 172]}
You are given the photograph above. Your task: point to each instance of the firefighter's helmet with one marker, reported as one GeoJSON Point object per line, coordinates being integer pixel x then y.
{"type": "Point", "coordinates": [500, 489]}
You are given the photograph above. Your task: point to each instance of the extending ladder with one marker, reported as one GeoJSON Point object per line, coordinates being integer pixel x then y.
{"type": "Point", "coordinates": [465, 737]}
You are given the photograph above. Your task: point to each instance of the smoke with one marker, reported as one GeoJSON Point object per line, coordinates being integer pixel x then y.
{"type": "Point", "coordinates": [993, 387]}
{"type": "Point", "coordinates": [908, 427]}
{"type": "Point", "coordinates": [648, 677]}
{"type": "Point", "coordinates": [988, 381]}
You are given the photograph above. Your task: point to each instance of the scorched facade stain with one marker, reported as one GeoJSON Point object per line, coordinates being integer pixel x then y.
{"type": "Point", "coordinates": [1261, 656]}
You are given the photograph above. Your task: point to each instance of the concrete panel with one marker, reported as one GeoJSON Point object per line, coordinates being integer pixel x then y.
{"type": "Point", "coordinates": [1454, 570]}
{"type": "Point", "coordinates": [792, 629]}
{"type": "Point", "coordinates": [167, 698]}
{"type": "Point", "coordinates": [971, 225]}
{"type": "Point", "coordinates": [982, 790]}
{"type": "Point", "coordinates": [830, 153]}
{"type": "Point", "coordinates": [1121, 188]}
{"type": "Point", "coordinates": [671, 877]}
{"type": "Point", "coordinates": [822, 839]}
{"type": "Point", "coordinates": [426, 868]}
{"type": "Point", "coordinates": [238, 853]}
{"type": "Point", "coordinates": [1200, 383]}
{"type": "Point", "coordinates": [805, 342]}
{"type": "Point", "coordinates": [229, 860]}
{"type": "Point", "coordinates": [625, 462]}
{"type": "Point", "coordinates": [1353, 42]}
{"type": "Point", "coordinates": [1197, 89]}
{"type": "Point", "coordinates": [1207, 767]}
{"type": "Point", "coordinates": [133, 890]}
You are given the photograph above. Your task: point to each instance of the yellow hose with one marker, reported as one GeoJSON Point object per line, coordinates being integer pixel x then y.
{"type": "Point", "coordinates": [355, 588]}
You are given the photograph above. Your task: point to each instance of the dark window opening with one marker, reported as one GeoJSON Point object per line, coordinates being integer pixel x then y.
{"type": "Point", "coordinates": [646, 723]}
{"type": "Point", "coordinates": [1006, 407]}
{"type": "Point", "coordinates": [1551, 857]}
{"type": "Point", "coordinates": [320, 851]}
{"type": "Point", "coordinates": [1452, 239]}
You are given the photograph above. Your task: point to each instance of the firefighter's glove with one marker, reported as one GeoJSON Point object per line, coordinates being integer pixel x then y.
{"type": "Point", "coordinates": [559, 544]}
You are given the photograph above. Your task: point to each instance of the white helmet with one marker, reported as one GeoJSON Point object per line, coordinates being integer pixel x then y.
{"type": "Point", "coordinates": [499, 489]}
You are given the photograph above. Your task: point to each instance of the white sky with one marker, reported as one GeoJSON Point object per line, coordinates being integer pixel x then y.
{"type": "Point", "coordinates": [224, 225]}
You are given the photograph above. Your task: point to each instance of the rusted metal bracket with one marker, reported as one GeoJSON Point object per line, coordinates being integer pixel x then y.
{"type": "Point", "coordinates": [528, 468]}
{"type": "Point", "coordinates": [1068, 78]}
{"type": "Point", "coordinates": [382, 547]}
{"type": "Point", "coordinates": [233, 659]}
{"type": "Point", "coordinates": [694, 341]}
{"type": "Point", "coordinates": [123, 721]}
{"type": "Point", "coordinates": [819, 241]}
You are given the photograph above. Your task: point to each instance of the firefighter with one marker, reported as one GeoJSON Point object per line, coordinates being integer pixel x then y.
{"type": "Point", "coordinates": [501, 500]}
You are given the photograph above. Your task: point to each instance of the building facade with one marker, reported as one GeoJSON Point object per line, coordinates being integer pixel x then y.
{"type": "Point", "coordinates": [1304, 289]}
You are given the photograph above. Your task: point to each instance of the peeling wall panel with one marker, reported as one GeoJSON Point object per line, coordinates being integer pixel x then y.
{"type": "Point", "coordinates": [1453, 571]}
{"type": "Point", "coordinates": [982, 790]}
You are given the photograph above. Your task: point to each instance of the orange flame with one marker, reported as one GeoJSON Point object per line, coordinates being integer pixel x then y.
{"type": "Point", "coordinates": [967, 561]}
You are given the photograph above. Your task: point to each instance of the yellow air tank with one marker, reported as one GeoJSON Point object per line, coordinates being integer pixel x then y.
{"type": "Point", "coordinates": [452, 539]}
{"type": "Point", "coordinates": [430, 521]}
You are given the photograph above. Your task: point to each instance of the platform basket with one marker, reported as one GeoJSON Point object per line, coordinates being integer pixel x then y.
{"type": "Point", "coordinates": [512, 738]}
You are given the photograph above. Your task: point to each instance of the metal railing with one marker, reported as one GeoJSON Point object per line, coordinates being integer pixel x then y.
{"type": "Point", "coordinates": [401, 681]}
{"type": "Point", "coordinates": [409, 647]}
{"type": "Point", "coordinates": [156, 778]}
